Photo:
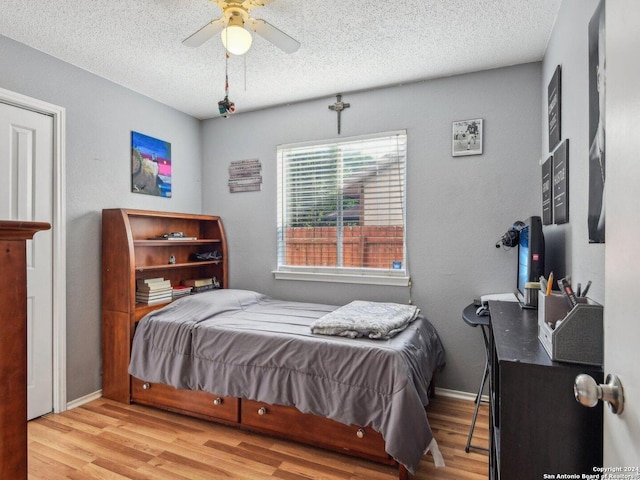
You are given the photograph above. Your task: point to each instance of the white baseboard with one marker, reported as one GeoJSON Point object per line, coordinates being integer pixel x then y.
{"type": "Point", "coordinates": [445, 392]}
{"type": "Point", "coordinates": [78, 402]}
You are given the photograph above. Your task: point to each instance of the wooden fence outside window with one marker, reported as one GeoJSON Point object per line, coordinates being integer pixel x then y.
{"type": "Point", "coordinates": [370, 246]}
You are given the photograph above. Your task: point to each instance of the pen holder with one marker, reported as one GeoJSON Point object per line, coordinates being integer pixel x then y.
{"type": "Point", "coordinates": [530, 295]}
{"type": "Point", "coordinates": [573, 335]}
{"type": "Point", "coordinates": [530, 298]}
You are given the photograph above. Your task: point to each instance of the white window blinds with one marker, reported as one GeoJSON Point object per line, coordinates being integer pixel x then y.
{"type": "Point", "coordinates": [341, 206]}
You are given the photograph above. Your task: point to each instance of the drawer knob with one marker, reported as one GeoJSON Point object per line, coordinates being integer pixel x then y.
{"type": "Point", "coordinates": [146, 386]}
{"type": "Point", "coordinates": [360, 433]}
{"type": "Point", "coordinates": [217, 401]}
{"type": "Point", "coordinates": [262, 411]}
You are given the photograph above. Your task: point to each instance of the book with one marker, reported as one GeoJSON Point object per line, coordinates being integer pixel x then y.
{"type": "Point", "coordinates": [155, 288]}
{"type": "Point", "coordinates": [203, 288]}
{"type": "Point", "coordinates": [181, 291]}
{"type": "Point", "coordinates": [149, 281]}
{"type": "Point", "coordinates": [181, 288]}
{"type": "Point", "coordinates": [198, 282]}
{"type": "Point", "coordinates": [165, 237]}
{"type": "Point", "coordinates": [153, 301]}
{"type": "Point", "coordinates": [181, 238]}
{"type": "Point", "coordinates": [157, 293]}
{"type": "Point", "coordinates": [156, 301]}
{"type": "Point", "coordinates": [165, 288]}
{"type": "Point", "coordinates": [164, 293]}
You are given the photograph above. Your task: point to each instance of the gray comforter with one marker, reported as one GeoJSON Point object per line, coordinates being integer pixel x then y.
{"type": "Point", "coordinates": [243, 344]}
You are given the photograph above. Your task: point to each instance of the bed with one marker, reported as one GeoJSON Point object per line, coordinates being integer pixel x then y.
{"type": "Point", "coordinates": [259, 355]}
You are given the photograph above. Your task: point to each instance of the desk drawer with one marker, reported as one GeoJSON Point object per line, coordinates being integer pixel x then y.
{"type": "Point", "coordinates": [311, 429]}
{"type": "Point", "coordinates": [191, 402]}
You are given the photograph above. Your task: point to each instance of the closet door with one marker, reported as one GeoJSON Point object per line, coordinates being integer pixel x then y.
{"type": "Point", "coordinates": [26, 194]}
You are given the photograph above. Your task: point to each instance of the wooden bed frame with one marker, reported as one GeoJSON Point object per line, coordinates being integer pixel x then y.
{"type": "Point", "coordinates": [279, 421]}
{"type": "Point", "coordinates": [127, 255]}
{"type": "Point", "coordinates": [276, 420]}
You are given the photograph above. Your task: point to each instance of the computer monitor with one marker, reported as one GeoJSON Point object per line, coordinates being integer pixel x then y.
{"type": "Point", "coordinates": [530, 254]}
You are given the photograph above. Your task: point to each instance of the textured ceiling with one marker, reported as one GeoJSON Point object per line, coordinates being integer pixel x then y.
{"type": "Point", "coordinates": [346, 46]}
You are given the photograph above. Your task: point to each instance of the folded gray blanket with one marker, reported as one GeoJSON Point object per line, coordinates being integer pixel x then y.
{"type": "Point", "coordinates": [366, 319]}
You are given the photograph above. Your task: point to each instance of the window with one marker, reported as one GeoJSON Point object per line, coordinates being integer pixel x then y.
{"type": "Point", "coordinates": [341, 210]}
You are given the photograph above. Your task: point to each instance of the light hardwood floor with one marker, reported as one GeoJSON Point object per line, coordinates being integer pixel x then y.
{"type": "Point", "coordinates": [108, 440]}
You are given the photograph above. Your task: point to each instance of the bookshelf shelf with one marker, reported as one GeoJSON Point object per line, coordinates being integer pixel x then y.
{"type": "Point", "coordinates": [169, 266]}
{"type": "Point", "coordinates": [171, 243]}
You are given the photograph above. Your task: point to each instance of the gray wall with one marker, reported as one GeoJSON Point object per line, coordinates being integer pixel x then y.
{"type": "Point", "coordinates": [568, 47]}
{"type": "Point", "coordinates": [457, 208]}
{"type": "Point", "coordinates": [100, 118]}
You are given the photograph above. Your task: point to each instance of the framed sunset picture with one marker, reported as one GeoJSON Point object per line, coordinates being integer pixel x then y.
{"type": "Point", "coordinates": [150, 165]}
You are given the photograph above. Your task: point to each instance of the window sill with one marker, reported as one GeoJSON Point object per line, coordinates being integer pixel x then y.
{"type": "Point", "coordinates": [307, 276]}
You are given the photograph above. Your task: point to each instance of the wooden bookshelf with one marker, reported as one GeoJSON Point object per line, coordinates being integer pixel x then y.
{"type": "Point", "coordinates": [131, 251]}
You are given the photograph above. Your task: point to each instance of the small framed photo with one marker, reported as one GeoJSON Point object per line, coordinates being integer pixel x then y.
{"type": "Point", "coordinates": [466, 137]}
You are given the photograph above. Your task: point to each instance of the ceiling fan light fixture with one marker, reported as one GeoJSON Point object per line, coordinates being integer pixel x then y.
{"type": "Point", "coordinates": [236, 39]}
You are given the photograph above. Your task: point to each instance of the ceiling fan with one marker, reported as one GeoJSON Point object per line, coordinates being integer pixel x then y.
{"type": "Point", "coordinates": [232, 27]}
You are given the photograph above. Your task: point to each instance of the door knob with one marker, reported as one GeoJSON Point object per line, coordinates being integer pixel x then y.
{"type": "Point", "coordinates": [588, 392]}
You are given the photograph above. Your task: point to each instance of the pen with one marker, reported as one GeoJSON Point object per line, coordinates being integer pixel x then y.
{"type": "Point", "coordinates": [568, 292]}
{"type": "Point", "coordinates": [586, 289]}
{"type": "Point", "coordinates": [549, 284]}
{"type": "Point", "coordinates": [543, 285]}
{"type": "Point", "coordinates": [578, 290]}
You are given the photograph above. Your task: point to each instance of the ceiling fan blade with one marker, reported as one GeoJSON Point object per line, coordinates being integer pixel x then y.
{"type": "Point", "coordinates": [205, 33]}
{"type": "Point", "coordinates": [274, 35]}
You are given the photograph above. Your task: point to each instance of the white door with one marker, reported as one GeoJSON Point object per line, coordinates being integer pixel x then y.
{"type": "Point", "coordinates": [622, 264]}
{"type": "Point", "coordinates": [26, 193]}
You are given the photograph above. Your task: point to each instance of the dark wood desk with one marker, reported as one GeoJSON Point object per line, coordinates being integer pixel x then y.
{"type": "Point", "coordinates": [537, 426]}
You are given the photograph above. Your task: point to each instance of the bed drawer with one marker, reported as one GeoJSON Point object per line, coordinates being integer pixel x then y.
{"type": "Point", "coordinates": [311, 429]}
{"type": "Point", "coordinates": [197, 403]}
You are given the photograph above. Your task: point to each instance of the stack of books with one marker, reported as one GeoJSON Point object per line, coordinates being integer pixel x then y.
{"type": "Point", "coordinates": [181, 291]}
{"type": "Point", "coordinates": [199, 285]}
{"type": "Point", "coordinates": [153, 290]}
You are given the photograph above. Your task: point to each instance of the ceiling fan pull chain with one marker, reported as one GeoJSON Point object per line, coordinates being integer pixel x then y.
{"type": "Point", "coordinates": [226, 75]}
